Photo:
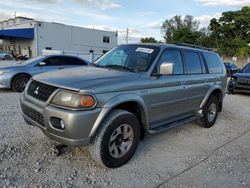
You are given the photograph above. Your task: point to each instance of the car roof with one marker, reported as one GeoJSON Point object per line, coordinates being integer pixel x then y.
{"type": "Point", "coordinates": [179, 46]}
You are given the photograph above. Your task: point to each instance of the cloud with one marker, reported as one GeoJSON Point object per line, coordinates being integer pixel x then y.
{"type": "Point", "coordinates": [102, 4]}
{"type": "Point", "coordinates": [224, 2]}
{"type": "Point", "coordinates": [46, 1]}
{"type": "Point", "coordinates": [145, 13]}
{"type": "Point", "coordinates": [205, 19]}
{"type": "Point", "coordinates": [155, 24]}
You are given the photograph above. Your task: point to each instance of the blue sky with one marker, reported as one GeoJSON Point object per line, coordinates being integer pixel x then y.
{"type": "Point", "coordinates": [143, 17]}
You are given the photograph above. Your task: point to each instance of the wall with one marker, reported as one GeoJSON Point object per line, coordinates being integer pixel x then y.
{"type": "Point", "coordinates": [76, 39]}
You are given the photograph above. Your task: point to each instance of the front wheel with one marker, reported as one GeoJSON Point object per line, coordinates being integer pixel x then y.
{"type": "Point", "coordinates": [210, 112]}
{"type": "Point", "coordinates": [117, 139]}
{"type": "Point", "coordinates": [19, 82]}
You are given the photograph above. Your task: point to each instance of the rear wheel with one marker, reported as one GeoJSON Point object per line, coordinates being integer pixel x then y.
{"type": "Point", "coordinates": [210, 112]}
{"type": "Point", "coordinates": [19, 82]}
{"type": "Point", "coordinates": [117, 140]}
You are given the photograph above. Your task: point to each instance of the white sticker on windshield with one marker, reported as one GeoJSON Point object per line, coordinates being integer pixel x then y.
{"type": "Point", "coordinates": [145, 50]}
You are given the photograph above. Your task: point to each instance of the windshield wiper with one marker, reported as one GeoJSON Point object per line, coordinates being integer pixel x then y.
{"type": "Point", "coordinates": [120, 67]}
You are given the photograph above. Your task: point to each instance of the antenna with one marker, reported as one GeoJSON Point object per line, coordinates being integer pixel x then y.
{"type": "Point", "coordinates": [14, 14]}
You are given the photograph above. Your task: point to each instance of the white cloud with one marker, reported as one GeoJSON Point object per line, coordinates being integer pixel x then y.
{"type": "Point", "coordinates": [102, 4]}
{"type": "Point", "coordinates": [155, 24]}
{"type": "Point", "coordinates": [205, 19]}
{"type": "Point", "coordinates": [145, 13]}
{"type": "Point", "coordinates": [224, 2]}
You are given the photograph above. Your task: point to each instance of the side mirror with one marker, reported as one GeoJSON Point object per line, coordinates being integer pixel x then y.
{"type": "Point", "coordinates": [42, 64]}
{"type": "Point", "coordinates": [167, 68]}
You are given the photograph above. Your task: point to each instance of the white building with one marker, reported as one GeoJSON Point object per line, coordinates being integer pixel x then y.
{"type": "Point", "coordinates": [29, 37]}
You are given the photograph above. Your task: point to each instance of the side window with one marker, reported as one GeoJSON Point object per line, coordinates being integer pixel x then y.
{"type": "Point", "coordinates": [213, 62]}
{"type": "Point", "coordinates": [193, 62]}
{"type": "Point", "coordinates": [172, 56]}
{"type": "Point", "coordinates": [73, 61]}
{"type": "Point", "coordinates": [54, 61]}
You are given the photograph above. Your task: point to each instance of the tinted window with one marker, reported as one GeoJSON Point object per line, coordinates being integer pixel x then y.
{"type": "Point", "coordinates": [73, 61]}
{"type": "Point", "coordinates": [193, 62]}
{"type": "Point", "coordinates": [213, 62]}
{"type": "Point", "coordinates": [54, 61]}
{"type": "Point", "coordinates": [174, 57]}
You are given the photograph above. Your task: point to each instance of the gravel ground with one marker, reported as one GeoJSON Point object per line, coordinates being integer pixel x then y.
{"type": "Point", "coordinates": [187, 156]}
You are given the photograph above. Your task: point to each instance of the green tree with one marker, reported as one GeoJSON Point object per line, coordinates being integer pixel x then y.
{"type": "Point", "coordinates": [148, 40]}
{"type": "Point", "coordinates": [232, 32]}
{"type": "Point", "coordinates": [183, 30]}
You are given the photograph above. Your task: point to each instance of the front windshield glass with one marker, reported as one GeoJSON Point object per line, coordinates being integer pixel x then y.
{"type": "Point", "coordinates": [246, 69]}
{"type": "Point", "coordinates": [31, 60]}
{"type": "Point", "coordinates": [134, 58]}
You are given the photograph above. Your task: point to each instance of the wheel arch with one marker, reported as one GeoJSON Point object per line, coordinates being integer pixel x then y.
{"type": "Point", "coordinates": [218, 92]}
{"type": "Point", "coordinates": [129, 102]}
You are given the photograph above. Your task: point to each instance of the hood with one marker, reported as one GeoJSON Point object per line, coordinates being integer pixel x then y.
{"type": "Point", "coordinates": [241, 75]}
{"type": "Point", "coordinates": [9, 66]}
{"type": "Point", "coordinates": [91, 79]}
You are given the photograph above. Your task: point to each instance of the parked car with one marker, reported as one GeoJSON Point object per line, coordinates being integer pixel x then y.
{"type": "Point", "coordinates": [130, 91]}
{"type": "Point", "coordinates": [5, 56]}
{"type": "Point", "coordinates": [16, 76]}
{"type": "Point", "coordinates": [231, 68]}
{"type": "Point", "coordinates": [240, 82]}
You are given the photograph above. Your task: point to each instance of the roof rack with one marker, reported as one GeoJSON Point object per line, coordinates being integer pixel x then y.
{"type": "Point", "coordinates": [194, 46]}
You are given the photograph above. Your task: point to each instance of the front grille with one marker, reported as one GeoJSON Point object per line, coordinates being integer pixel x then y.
{"type": "Point", "coordinates": [32, 114]}
{"type": "Point", "coordinates": [40, 91]}
{"type": "Point", "coordinates": [243, 81]}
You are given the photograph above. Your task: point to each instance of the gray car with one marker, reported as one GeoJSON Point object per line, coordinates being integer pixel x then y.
{"type": "Point", "coordinates": [131, 91]}
{"type": "Point", "coordinates": [17, 75]}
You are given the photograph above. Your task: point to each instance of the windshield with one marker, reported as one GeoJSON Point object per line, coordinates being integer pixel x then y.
{"type": "Point", "coordinates": [31, 60]}
{"type": "Point", "coordinates": [134, 58]}
{"type": "Point", "coordinates": [246, 69]}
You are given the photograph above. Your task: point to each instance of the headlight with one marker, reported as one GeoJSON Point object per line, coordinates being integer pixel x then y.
{"type": "Point", "coordinates": [3, 72]}
{"type": "Point", "coordinates": [73, 100]}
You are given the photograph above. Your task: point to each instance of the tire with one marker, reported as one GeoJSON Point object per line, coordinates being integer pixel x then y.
{"type": "Point", "coordinates": [19, 82]}
{"type": "Point", "coordinates": [105, 147]}
{"type": "Point", "coordinates": [210, 112]}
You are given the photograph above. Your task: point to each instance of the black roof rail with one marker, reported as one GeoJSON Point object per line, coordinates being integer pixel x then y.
{"type": "Point", "coordinates": [194, 46]}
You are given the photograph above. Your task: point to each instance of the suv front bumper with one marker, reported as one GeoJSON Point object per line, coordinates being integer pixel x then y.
{"type": "Point", "coordinates": [78, 124]}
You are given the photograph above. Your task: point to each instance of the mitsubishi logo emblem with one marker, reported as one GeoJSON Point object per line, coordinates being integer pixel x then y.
{"type": "Point", "coordinates": [36, 91]}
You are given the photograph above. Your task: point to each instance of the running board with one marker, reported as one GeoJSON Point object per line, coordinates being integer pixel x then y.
{"type": "Point", "coordinates": [177, 123]}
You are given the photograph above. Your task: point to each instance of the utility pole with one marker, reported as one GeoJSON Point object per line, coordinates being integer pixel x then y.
{"type": "Point", "coordinates": [14, 14]}
{"type": "Point", "coordinates": [127, 32]}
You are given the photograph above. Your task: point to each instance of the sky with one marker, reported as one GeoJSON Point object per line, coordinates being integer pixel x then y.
{"type": "Point", "coordinates": [143, 18]}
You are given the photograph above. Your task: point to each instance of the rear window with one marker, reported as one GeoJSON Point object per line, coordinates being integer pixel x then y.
{"type": "Point", "coordinates": [213, 62]}
{"type": "Point", "coordinates": [193, 62]}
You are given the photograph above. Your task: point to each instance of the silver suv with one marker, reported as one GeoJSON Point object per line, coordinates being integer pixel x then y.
{"type": "Point", "coordinates": [131, 91]}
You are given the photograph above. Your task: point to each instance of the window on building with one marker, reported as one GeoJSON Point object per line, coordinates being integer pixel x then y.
{"type": "Point", "coordinates": [193, 62]}
{"type": "Point", "coordinates": [106, 39]}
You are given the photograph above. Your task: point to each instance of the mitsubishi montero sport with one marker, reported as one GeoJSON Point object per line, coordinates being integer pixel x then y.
{"type": "Point", "coordinates": [131, 91]}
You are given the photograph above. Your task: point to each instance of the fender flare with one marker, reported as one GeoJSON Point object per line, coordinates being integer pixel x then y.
{"type": "Point", "coordinates": [210, 91]}
{"type": "Point", "coordinates": [115, 101]}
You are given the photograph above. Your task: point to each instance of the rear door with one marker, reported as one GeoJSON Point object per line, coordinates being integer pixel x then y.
{"type": "Point", "coordinates": [197, 76]}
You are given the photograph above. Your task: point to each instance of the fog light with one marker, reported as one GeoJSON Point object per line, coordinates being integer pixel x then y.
{"type": "Point", "coordinates": [62, 124]}
{"type": "Point", "coordinates": [57, 123]}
